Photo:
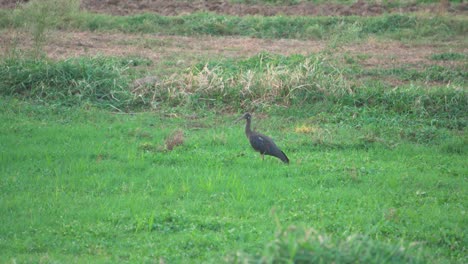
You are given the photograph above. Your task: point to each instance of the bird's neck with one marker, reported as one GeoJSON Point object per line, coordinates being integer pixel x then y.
{"type": "Point", "coordinates": [248, 131]}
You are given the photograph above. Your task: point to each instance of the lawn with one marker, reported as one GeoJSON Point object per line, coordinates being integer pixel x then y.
{"type": "Point", "coordinates": [86, 185]}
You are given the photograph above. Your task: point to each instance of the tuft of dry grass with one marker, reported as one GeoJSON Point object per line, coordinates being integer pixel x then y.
{"type": "Point", "coordinates": [305, 129]}
{"type": "Point", "coordinates": [175, 139]}
{"type": "Point", "coordinates": [276, 85]}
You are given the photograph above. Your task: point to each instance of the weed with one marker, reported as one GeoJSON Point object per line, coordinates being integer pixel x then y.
{"type": "Point", "coordinates": [40, 16]}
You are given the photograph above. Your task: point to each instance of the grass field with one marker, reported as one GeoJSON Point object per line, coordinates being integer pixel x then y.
{"type": "Point", "coordinates": [98, 165]}
{"type": "Point", "coordinates": [90, 185]}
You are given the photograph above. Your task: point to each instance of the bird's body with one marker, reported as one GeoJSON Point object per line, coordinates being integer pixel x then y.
{"type": "Point", "coordinates": [262, 143]}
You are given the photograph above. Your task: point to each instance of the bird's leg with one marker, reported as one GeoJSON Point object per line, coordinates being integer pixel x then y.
{"type": "Point", "coordinates": [263, 156]}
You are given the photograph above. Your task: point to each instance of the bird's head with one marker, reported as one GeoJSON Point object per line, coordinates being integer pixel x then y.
{"type": "Point", "coordinates": [246, 116]}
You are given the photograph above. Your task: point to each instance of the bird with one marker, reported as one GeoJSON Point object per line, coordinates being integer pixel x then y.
{"type": "Point", "coordinates": [260, 142]}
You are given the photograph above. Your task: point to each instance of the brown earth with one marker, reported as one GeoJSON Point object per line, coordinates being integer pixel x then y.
{"type": "Point", "coordinates": [170, 8]}
{"type": "Point", "coordinates": [187, 50]}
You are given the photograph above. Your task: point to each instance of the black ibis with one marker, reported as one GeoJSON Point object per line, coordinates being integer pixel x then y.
{"type": "Point", "coordinates": [262, 143]}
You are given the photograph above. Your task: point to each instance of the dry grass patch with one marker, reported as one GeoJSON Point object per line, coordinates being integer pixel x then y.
{"type": "Point", "coordinates": [175, 139]}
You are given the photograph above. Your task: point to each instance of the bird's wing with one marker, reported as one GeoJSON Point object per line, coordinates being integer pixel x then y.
{"type": "Point", "coordinates": [267, 146]}
{"type": "Point", "coordinates": [262, 143]}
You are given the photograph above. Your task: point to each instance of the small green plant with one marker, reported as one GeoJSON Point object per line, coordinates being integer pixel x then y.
{"type": "Point", "coordinates": [38, 17]}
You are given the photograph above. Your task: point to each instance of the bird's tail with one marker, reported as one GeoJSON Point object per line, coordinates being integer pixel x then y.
{"type": "Point", "coordinates": [283, 157]}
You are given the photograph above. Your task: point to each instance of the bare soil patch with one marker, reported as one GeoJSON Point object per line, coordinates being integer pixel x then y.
{"type": "Point", "coordinates": [188, 50]}
{"type": "Point", "coordinates": [64, 45]}
{"type": "Point", "coordinates": [173, 7]}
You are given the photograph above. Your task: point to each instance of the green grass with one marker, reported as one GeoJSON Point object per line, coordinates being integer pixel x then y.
{"type": "Point", "coordinates": [448, 56]}
{"type": "Point", "coordinates": [393, 26]}
{"type": "Point", "coordinates": [39, 17]}
{"type": "Point", "coordinates": [82, 184]}
{"type": "Point", "coordinates": [99, 81]}
{"type": "Point", "coordinates": [306, 245]}
{"type": "Point", "coordinates": [378, 172]}
{"type": "Point", "coordinates": [433, 73]}
{"type": "Point", "coordinates": [259, 82]}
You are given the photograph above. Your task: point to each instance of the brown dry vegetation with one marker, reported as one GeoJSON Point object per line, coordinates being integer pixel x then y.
{"type": "Point", "coordinates": [187, 50]}
{"type": "Point", "coordinates": [175, 139]}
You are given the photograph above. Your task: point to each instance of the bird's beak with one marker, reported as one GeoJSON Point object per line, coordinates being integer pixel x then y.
{"type": "Point", "coordinates": [239, 119]}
